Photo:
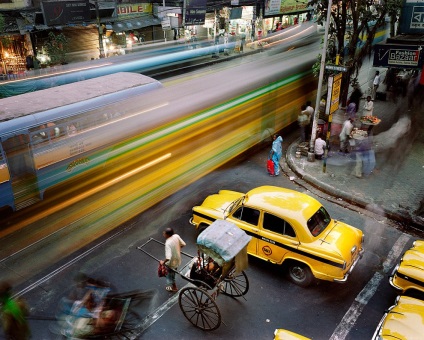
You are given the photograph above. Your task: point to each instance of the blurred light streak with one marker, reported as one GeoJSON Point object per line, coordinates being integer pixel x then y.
{"type": "Point", "coordinates": [84, 195]}
{"type": "Point", "coordinates": [58, 73]}
{"type": "Point", "coordinates": [271, 44]}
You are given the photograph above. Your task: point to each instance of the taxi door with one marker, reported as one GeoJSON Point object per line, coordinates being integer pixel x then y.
{"type": "Point", "coordinates": [276, 238]}
{"type": "Point", "coordinates": [247, 219]}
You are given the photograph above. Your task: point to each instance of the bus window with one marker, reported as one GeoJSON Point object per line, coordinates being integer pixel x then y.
{"type": "Point", "coordinates": [71, 129]}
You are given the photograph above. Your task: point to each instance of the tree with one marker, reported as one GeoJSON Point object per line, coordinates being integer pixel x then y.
{"type": "Point", "coordinates": [352, 31]}
{"type": "Point", "coordinates": [56, 48]}
{"type": "Point", "coordinates": [2, 23]}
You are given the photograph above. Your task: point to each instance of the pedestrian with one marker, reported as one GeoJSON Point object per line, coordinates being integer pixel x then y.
{"type": "Point", "coordinates": [303, 121]}
{"type": "Point", "coordinates": [311, 112]}
{"type": "Point", "coordinates": [13, 314]}
{"type": "Point", "coordinates": [173, 245]}
{"type": "Point", "coordinates": [345, 135]}
{"type": "Point", "coordinates": [368, 107]}
{"type": "Point", "coordinates": [320, 146]}
{"type": "Point", "coordinates": [375, 84]}
{"type": "Point", "coordinates": [356, 96]}
{"type": "Point", "coordinates": [411, 90]}
{"type": "Point", "coordinates": [276, 153]}
{"type": "Point", "coordinates": [225, 38]}
{"type": "Point", "coordinates": [351, 110]}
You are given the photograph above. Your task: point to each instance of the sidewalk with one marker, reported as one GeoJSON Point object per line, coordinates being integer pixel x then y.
{"type": "Point", "coordinates": [396, 186]}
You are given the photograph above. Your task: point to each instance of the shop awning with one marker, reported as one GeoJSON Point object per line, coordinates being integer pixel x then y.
{"type": "Point", "coordinates": [135, 23]}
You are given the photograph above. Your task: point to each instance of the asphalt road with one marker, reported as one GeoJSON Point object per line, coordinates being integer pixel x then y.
{"type": "Point", "coordinates": [323, 311]}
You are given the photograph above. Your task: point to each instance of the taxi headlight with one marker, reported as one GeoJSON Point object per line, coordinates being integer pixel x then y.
{"type": "Point", "coordinates": [353, 250]}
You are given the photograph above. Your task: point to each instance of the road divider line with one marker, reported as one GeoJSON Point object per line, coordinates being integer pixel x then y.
{"type": "Point", "coordinates": [355, 310]}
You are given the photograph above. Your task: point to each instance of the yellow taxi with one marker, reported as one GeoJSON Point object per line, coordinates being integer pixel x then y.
{"type": "Point", "coordinates": [409, 273]}
{"type": "Point", "coordinates": [287, 227]}
{"type": "Point", "coordinates": [403, 321]}
{"type": "Point", "coordinates": [283, 334]}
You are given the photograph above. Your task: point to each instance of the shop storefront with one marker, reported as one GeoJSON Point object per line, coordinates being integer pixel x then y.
{"type": "Point", "coordinates": [280, 14]}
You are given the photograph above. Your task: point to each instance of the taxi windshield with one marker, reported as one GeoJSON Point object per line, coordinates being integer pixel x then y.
{"type": "Point", "coordinates": [319, 221]}
{"type": "Point", "coordinates": [233, 205]}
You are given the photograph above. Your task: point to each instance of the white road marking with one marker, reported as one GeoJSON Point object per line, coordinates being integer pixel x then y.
{"type": "Point", "coordinates": [159, 312]}
{"type": "Point", "coordinates": [368, 291]}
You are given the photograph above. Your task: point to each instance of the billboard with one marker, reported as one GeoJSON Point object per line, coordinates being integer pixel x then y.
{"type": "Point", "coordinates": [333, 96]}
{"type": "Point", "coordinates": [195, 12]}
{"type": "Point", "coordinates": [277, 7]}
{"type": "Point", "coordinates": [65, 12]}
{"type": "Point", "coordinates": [402, 56]}
{"type": "Point", "coordinates": [133, 9]}
{"type": "Point", "coordinates": [412, 18]}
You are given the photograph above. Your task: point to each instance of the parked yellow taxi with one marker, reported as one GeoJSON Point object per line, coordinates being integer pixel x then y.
{"type": "Point", "coordinates": [403, 321]}
{"type": "Point", "coordinates": [409, 273]}
{"type": "Point", "coordinates": [283, 334]}
{"type": "Point", "coordinates": [287, 227]}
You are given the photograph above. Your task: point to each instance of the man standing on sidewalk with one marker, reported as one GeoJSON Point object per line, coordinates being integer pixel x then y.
{"type": "Point", "coordinates": [375, 84]}
{"type": "Point", "coordinates": [173, 245]}
{"type": "Point", "coordinates": [345, 135]}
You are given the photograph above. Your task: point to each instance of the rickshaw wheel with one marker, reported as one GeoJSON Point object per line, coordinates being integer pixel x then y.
{"type": "Point", "coordinates": [235, 285]}
{"type": "Point", "coordinates": [199, 308]}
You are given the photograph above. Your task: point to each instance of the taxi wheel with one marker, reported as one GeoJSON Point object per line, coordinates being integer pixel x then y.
{"type": "Point", "coordinates": [300, 274]}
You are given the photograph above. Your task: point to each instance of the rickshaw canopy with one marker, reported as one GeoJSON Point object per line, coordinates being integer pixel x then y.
{"type": "Point", "coordinates": [224, 241]}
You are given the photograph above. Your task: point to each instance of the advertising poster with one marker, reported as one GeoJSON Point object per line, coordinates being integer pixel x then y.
{"type": "Point", "coordinates": [65, 12]}
{"type": "Point", "coordinates": [280, 7]}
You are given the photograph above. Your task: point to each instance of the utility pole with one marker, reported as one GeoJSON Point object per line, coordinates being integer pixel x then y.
{"type": "Point", "coordinates": [100, 29]}
{"type": "Point", "coordinates": [311, 154]}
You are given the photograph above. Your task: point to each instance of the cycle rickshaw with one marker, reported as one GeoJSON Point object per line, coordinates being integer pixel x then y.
{"type": "Point", "coordinates": [112, 316]}
{"type": "Point", "coordinates": [217, 268]}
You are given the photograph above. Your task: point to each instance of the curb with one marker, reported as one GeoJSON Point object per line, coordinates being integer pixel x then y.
{"type": "Point", "coordinates": [405, 218]}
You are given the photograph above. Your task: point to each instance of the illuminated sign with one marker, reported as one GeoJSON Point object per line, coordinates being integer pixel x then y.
{"type": "Point", "coordinates": [65, 12]}
{"type": "Point", "coordinates": [132, 10]}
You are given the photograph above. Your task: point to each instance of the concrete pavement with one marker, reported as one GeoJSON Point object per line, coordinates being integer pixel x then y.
{"type": "Point", "coordinates": [395, 188]}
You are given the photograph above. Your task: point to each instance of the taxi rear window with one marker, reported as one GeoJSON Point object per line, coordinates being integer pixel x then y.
{"type": "Point", "coordinates": [319, 221]}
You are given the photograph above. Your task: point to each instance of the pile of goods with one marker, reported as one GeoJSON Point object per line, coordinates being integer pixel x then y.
{"type": "Point", "coordinates": [359, 134]}
{"type": "Point", "coordinates": [370, 120]}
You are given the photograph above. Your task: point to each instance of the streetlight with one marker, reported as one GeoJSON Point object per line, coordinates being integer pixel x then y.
{"type": "Point", "coordinates": [311, 154]}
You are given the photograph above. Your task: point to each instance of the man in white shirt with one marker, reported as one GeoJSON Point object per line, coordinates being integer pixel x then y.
{"type": "Point", "coordinates": [345, 135]}
{"type": "Point", "coordinates": [375, 84]}
{"type": "Point", "coordinates": [368, 107]}
{"type": "Point", "coordinates": [173, 245]}
{"type": "Point", "coordinates": [320, 146]}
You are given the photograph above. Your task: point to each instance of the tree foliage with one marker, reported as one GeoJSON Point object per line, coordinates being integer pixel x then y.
{"type": "Point", "coordinates": [352, 30]}
{"type": "Point", "coordinates": [57, 46]}
{"type": "Point", "coordinates": [2, 23]}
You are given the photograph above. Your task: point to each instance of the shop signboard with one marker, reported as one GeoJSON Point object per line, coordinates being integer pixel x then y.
{"type": "Point", "coordinates": [133, 10]}
{"type": "Point", "coordinates": [65, 12]}
{"type": "Point", "coordinates": [412, 18]}
{"type": "Point", "coordinates": [166, 23]}
{"type": "Point", "coordinates": [402, 56]}
{"type": "Point", "coordinates": [195, 12]}
{"type": "Point", "coordinates": [279, 7]}
{"type": "Point", "coordinates": [333, 96]}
